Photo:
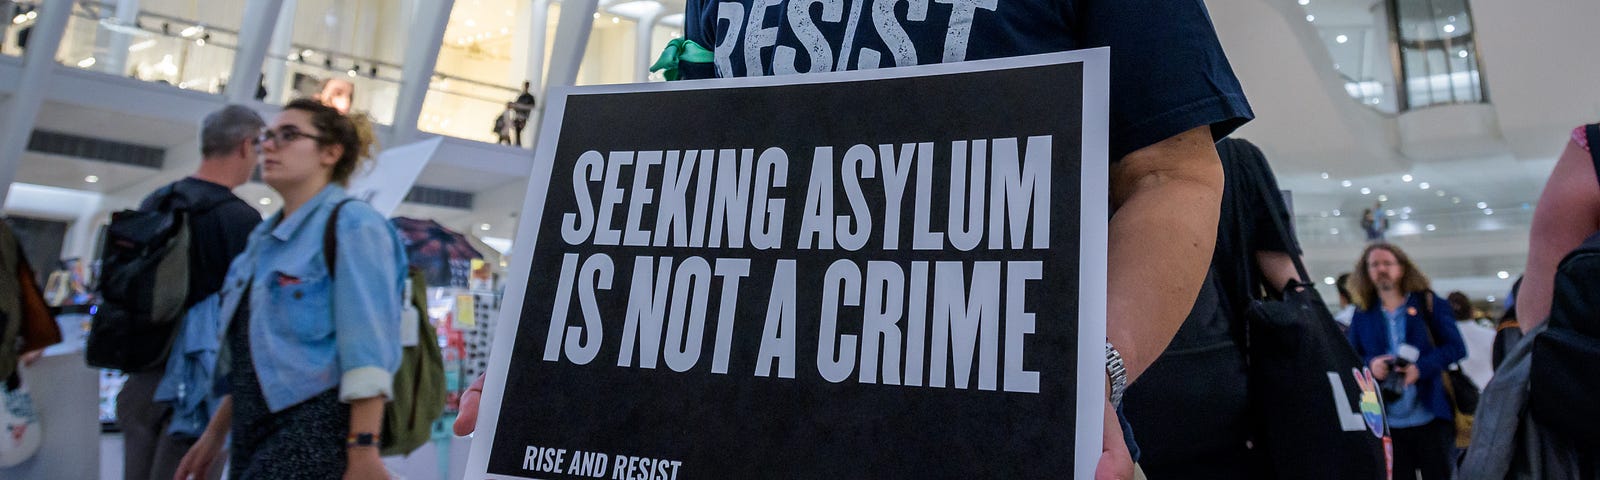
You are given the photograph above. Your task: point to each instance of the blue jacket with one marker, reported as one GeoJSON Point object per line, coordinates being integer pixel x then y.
{"type": "Point", "coordinates": [310, 331]}
{"type": "Point", "coordinates": [1369, 333]}
{"type": "Point", "coordinates": [186, 385]}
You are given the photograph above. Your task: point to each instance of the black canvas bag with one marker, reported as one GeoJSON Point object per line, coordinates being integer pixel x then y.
{"type": "Point", "coordinates": [143, 284]}
{"type": "Point", "coordinates": [1305, 389]}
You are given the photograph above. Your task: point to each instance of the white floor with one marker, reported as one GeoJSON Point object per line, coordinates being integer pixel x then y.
{"type": "Point", "coordinates": [422, 464]}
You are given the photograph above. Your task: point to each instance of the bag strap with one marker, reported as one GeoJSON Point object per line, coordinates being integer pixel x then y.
{"type": "Point", "coordinates": [1593, 132]}
{"type": "Point", "coordinates": [330, 237]}
{"type": "Point", "coordinates": [1286, 235]}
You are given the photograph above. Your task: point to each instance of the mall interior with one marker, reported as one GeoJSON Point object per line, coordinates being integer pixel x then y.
{"type": "Point", "coordinates": [1444, 116]}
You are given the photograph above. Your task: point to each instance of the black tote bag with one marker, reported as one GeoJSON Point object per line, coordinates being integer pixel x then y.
{"type": "Point", "coordinates": [1314, 408]}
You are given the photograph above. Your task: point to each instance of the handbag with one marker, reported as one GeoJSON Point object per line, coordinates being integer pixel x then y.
{"type": "Point", "coordinates": [1462, 393]}
{"type": "Point", "coordinates": [1315, 410]}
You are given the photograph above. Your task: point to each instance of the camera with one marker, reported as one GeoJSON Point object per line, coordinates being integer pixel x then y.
{"type": "Point", "coordinates": [1394, 385]}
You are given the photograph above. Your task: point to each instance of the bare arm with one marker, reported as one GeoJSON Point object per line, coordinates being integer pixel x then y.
{"type": "Point", "coordinates": [1166, 197]}
{"type": "Point", "coordinates": [206, 451]}
{"type": "Point", "coordinates": [366, 416]}
{"type": "Point", "coordinates": [1278, 267]}
{"type": "Point", "coordinates": [1568, 212]}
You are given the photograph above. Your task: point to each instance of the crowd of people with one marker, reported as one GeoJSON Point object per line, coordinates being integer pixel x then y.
{"type": "Point", "coordinates": [1199, 239]}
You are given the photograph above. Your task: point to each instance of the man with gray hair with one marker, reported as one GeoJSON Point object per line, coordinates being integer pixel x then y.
{"type": "Point", "coordinates": [220, 224]}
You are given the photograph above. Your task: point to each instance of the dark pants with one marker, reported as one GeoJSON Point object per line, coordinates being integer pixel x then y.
{"type": "Point", "coordinates": [148, 453]}
{"type": "Point", "coordinates": [1425, 448]}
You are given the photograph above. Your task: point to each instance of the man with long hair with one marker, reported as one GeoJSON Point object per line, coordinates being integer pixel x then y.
{"type": "Point", "coordinates": [1403, 330]}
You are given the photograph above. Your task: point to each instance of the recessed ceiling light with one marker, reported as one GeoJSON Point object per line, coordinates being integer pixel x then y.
{"type": "Point", "coordinates": [1311, 18]}
{"type": "Point", "coordinates": [1341, 39]}
{"type": "Point", "coordinates": [1334, 231]}
{"type": "Point", "coordinates": [1462, 54]}
{"type": "Point", "coordinates": [91, 179]}
{"type": "Point", "coordinates": [1490, 298]}
{"type": "Point", "coordinates": [1305, 2]}
{"type": "Point", "coordinates": [265, 201]}
{"type": "Point", "coordinates": [1503, 274]}
{"type": "Point", "coordinates": [1449, 28]}
{"type": "Point", "coordinates": [485, 227]}
{"type": "Point", "coordinates": [1483, 205]}
{"type": "Point", "coordinates": [1336, 212]}
{"type": "Point", "coordinates": [1425, 186]}
{"type": "Point", "coordinates": [471, 23]}
{"type": "Point", "coordinates": [1324, 175]}
{"type": "Point", "coordinates": [1328, 280]}
{"type": "Point", "coordinates": [1406, 210]}
{"type": "Point", "coordinates": [1406, 178]}
{"type": "Point", "coordinates": [1346, 183]}
{"type": "Point", "coordinates": [1488, 211]}
{"type": "Point", "coordinates": [1383, 198]}
{"type": "Point", "coordinates": [1455, 199]}
{"type": "Point", "coordinates": [615, 20]}
{"type": "Point", "coordinates": [1430, 227]}
{"type": "Point", "coordinates": [1439, 192]}
{"type": "Point", "coordinates": [1365, 191]}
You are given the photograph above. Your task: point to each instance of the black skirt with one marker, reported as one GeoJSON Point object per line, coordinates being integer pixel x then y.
{"type": "Point", "coordinates": [304, 441]}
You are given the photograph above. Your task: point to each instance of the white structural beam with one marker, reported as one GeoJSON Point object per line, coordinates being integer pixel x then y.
{"type": "Point", "coordinates": [115, 59]}
{"type": "Point", "coordinates": [282, 40]}
{"type": "Point", "coordinates": [645, 33]}
{"type": "Point", "coordinates": [572, 38]}
{"type": "Point", "coordinates": [255, 33]}
{"type": "Point", "coordinates": [538, 29]}
{"type": "Point", "coordinates": [22, 109]}
{"type": "Point", "coordinates": [421, 56]}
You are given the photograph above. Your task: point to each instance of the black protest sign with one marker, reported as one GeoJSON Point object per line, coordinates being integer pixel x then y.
{"type": "Point", "coordinates": [850, 275]}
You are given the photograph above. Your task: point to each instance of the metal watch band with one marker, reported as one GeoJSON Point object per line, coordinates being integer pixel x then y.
{"type": "Point", "coordinates": [1118, 374]}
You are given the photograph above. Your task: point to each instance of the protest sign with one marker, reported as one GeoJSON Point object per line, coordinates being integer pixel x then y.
{"type": "Point", "coordinates": [896, 273]}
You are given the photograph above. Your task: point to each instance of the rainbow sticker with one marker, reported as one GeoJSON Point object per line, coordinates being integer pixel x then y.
{"type": "Point", "coordinates": [1371, 403]}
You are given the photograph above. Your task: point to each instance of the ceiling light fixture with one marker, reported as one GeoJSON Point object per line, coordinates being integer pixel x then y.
{"type": "Point", "coordinates": [1503, 274]}
{"type": "Point", "coordinates": [91, 179]}
{"type": "Point", "coordinates": [1406, 178]}
{"type": "Point", "coordinates": [1346, 183]}
{"type": "Point", "coordinates": [86, 63]}
{"type": "Point", "coordinates": [1430, 227]}
{"type": "Point", "coordinates": [1483, 205]}
{"type": "Point", "coordinates": [264, 201]}
{"type": "Point", "coordinates": [1383, 198]}
{"type": "Point", "coordinates": [1425, 186]}
{"type": "Point", "coordinates": [1341, 39]}
{"type": "Point", "coordinates": [1488, 211]}
{"type": "Point", "coordinates": [1324, 175]}
{"type": "Point", "coordinates": [1366, 191]}
{"type": "Point", "coordinates": [485, 227]}
{"type": "Point", "coordinates": [1311, 18]}
{"type": "Point", "coordinates": [1449, 28]}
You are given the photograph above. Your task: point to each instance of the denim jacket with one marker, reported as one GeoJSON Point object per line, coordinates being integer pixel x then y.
{"type": "Point", "coordinates": [310, 332]}
{"type": "Point", "coordinates": [190, 371]}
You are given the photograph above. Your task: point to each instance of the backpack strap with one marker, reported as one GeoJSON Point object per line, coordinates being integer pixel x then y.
{"type": "Point", "coordinates": [1593, 131]}
{"type": "Point", "coordinates": [330, 237]}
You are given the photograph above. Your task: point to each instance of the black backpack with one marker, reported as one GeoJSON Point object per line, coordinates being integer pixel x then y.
{"type": "Point", "coordinates": [1563, 382]}
{"type": "Point", "coordinates": [143, 284]}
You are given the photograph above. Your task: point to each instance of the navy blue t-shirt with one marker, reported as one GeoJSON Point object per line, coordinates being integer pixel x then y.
{"type": "Point", "coordinates": [1168, 72]}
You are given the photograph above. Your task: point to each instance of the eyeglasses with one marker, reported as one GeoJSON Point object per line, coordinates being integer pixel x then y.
{"type": "Point", "coordinates": [285, 134]}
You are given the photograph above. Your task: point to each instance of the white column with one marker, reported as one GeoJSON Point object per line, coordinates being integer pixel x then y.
{"type": "Point", "coordinates": [115, 59]}
{"type": "Point", "coordinates": [255, 32]}
{"type": "Point", "coordinates": [539, 27]}
{"type": "Point", "coordinates": [278, 51]}
{"type": "Point", "coordinates": [572, 37]}
{"type": "Point", "coordinates": [421, 55]}
{"type": "Point", "coordinates": [645, 51]}
{"type": "Point", "coordinates": [22, 109]}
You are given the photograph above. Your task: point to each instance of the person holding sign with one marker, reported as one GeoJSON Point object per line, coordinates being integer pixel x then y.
{"type": "Point", "coordinates": [314, 303]}
{"type": "Point", "coordinates": [1173, 94]}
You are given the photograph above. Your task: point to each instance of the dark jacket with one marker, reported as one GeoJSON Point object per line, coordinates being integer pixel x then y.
{"type": "Point", "coordinates": [1369, 333]}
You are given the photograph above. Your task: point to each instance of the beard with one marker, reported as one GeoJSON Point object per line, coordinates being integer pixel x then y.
{"type": "Point", "coordinates": [1384, 283]}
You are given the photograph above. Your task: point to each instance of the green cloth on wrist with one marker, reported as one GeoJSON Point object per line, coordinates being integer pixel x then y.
{"type": "Point", "coordinates": [680, 50]}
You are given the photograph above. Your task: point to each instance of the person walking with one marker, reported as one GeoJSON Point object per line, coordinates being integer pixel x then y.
{"type": "Point", "coordinates": [1407, 335]}
{"type": "Point", "coordinates": [228, 157]}
{"type": "Point", "coordinates": [314, 313]}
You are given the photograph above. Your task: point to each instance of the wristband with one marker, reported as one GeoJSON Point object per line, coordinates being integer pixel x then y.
{"type": "Point", "coordinates": [363, 439]}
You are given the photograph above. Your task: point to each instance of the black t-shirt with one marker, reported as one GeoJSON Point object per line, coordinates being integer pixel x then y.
{"type": "Point", "coordinates": [216, 235]}
{"type": "Point", "coordinates": [1254, 219]}
{"type": "Point", "coordinates": [1168, 71]}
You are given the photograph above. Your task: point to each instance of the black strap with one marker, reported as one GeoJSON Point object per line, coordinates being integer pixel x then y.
{"type": "Point", "coordinates": [1286, 235]}
{"type": "Point", "coordinates": [330, 237]}
{"type": "Point", "coordinates": [1593, 132]}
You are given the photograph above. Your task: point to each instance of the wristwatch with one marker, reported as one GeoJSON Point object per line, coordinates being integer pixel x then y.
{"type": "Point", "coordinates": [1117, 373]}
{"type": "Point", "coordinates": [363, 439]}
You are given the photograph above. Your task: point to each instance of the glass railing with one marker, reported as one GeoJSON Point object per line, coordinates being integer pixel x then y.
{"type": "Point", "coordinates": [305, 71]}
{"type": "Point", "coordinates": [469, 109]}
{"type": "Point", "coordinates": [1346, 229]}
{"type": "Point", "coordinates": [153, 48]}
